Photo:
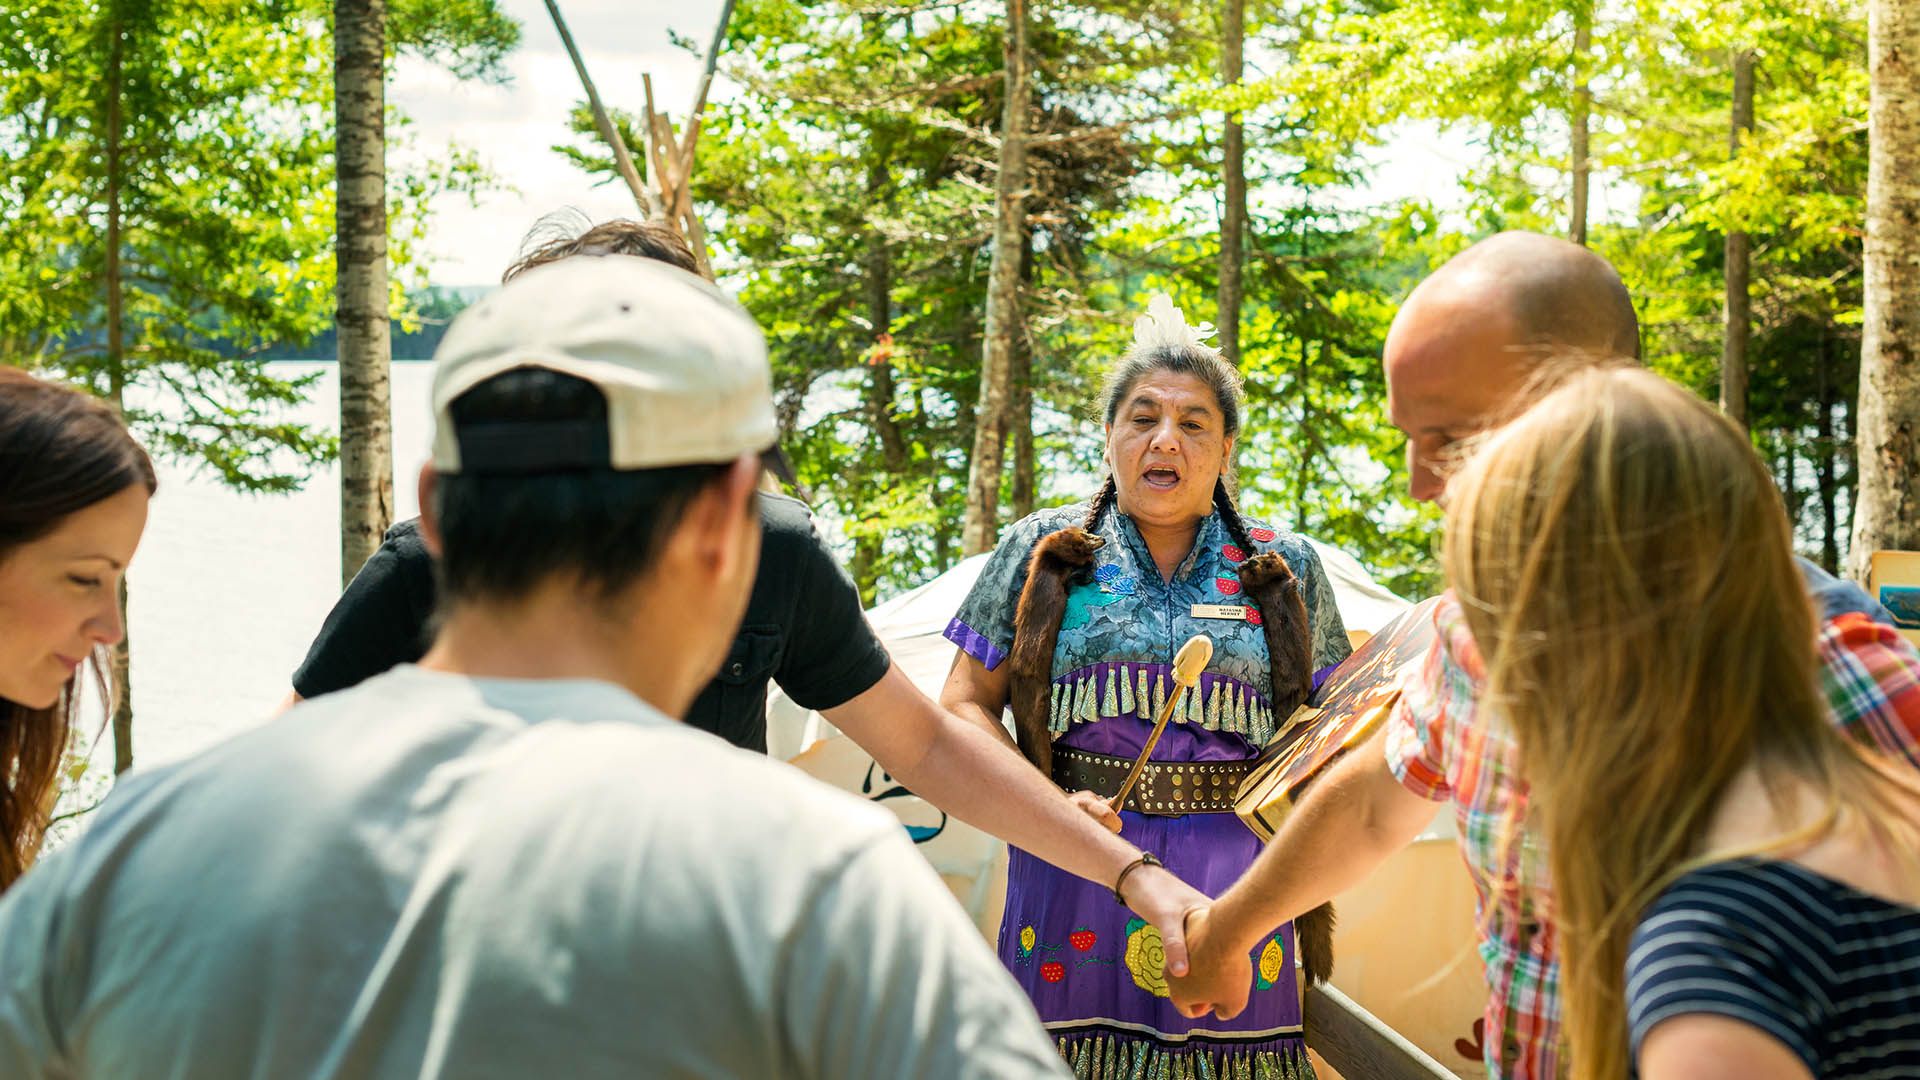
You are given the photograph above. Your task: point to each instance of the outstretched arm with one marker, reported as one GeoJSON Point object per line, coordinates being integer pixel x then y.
{"type": "Point", "coordinates": [953, 764]}
{"type": "Point", "coordinates": [1348, 823]}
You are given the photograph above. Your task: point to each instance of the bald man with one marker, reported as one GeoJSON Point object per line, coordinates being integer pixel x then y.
{"type": "Point", "coordinates": [1466, 341]}
{"type": "Point", "coordinates": [1460, 355]}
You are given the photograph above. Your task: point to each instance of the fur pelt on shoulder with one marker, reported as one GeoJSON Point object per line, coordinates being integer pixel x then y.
{"type": "Point", "coordinates": [1036, 630]}
{"type": "Point", "coordinates": [1275, 592]}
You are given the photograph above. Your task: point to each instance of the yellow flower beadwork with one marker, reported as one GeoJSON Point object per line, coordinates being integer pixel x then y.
{"type": "Point", "coordinates": [1026, 940]}
{"type": "Point", "coordinates": [1146, 957]}
{"type": "Point", "coordinates": [1271, 958]}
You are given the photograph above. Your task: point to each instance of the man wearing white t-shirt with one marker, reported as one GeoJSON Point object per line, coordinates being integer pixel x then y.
{"type": "Point", "coordinates": [507, 861]}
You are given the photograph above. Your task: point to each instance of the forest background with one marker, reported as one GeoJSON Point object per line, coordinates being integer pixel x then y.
{"type": "Point", "coordinates": [850, 195]}
{"type": "Point", "coordinates": [169, 198]}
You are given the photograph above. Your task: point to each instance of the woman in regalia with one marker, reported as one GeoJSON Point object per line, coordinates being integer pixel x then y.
{"type": "Point", "coordinates": [1074, 622]}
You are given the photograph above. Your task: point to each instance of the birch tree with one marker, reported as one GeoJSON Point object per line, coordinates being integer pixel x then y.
{"type": "Point", "coordinates": [980, 527]}
{"type": "Point", "coordinates": [360, 260]}
{"type": "Point", "coordinates": [1739, 304]}
{"type": "Point", "coordinates": [166, 194]}
{"type": "Point", "coordinates": [1887, 513]}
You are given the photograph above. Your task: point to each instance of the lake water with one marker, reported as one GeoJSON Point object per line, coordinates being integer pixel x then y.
{"type": "Point", "coordinates": [228, 589]}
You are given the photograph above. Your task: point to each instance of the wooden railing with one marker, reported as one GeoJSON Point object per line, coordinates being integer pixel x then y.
{"type": "Point", "coordinates": [1358, 1045]}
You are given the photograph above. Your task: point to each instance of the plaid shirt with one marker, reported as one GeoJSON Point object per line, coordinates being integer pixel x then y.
{"type": "Point", "coordinates": [1440, 747]}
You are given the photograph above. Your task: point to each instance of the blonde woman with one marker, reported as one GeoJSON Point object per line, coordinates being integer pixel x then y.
{"type": "Point", "coordinates": [1733, 882]}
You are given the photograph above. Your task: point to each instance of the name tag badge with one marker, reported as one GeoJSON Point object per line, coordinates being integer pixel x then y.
{"type": "Point", "coordinates": [1236, 612]}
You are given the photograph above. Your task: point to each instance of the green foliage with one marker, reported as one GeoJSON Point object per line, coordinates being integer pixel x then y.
{"type": "Point", "coordinates": [1797, 187]}
{"type": "Point", "coordinates": [471, 38]}
{"type": "Point", "coordinates": [1661, 83]}
{"type": "Point", "coordinates": [849, 192]}
{"type": "Point", "coordinates": [859, 162]}
{"type": "Point", "coordinates": [226, 207]}
{"type": "Point", "coordinates": [224, 125]}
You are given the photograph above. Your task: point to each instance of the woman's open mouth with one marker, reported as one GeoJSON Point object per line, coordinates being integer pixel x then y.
{"type": "Point", "coordinates": [1164, 477]}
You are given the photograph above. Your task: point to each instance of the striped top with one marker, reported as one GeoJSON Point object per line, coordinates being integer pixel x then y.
{"type": "Point", "coordinates": [1443, 743]}
{"type": "Point", "coordinates": [1830, 971]}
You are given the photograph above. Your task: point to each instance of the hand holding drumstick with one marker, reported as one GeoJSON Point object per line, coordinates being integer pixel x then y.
{"type": "Point", "coordinates": [1187, 666]}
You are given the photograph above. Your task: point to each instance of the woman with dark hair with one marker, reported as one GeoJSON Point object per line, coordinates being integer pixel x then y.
{"type": "Point", "coordinates": [73, 501]}
{"type": "Point", "coordinates": [1074, 622]}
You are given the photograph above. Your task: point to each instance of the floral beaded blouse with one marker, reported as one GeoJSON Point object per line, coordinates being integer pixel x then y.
{"type": "Point", "coordinates": [1124, 623]}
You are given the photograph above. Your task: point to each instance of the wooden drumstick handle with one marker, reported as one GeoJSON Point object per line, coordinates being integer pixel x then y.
{"type": "Point", "coordinates": [1188, 663]}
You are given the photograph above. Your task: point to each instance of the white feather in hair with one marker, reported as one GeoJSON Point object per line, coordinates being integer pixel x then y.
{"type": "Point", "coordinates": [1163, 324]}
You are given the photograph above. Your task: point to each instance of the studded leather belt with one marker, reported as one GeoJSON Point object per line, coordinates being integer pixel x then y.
{"type": "Point", "coordinates": [1166, 788]}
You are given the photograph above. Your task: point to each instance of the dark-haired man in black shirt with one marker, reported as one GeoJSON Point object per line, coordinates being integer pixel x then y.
{"type": "Point", "coordinates": [804, 627]}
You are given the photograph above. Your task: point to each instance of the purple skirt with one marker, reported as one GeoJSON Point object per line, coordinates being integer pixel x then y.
{"type": "Point", "coordinates": [1093, 969]}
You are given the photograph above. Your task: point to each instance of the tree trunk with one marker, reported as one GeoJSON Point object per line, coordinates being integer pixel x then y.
{"type": "Point", "coordinates": [864, 568]}
{"type": "Point", "coordinates": [869, 550]}
{"type": "Point", "coordinates": [1887, 426]}
{"type": "Point", "coordinates": [1233, 210]}
{"type": "Point", "coordinates": [121, 664]}
{"type": "Point", "coordinates": [1847, 450]}
{"type": "Point", "coordinates": [122, 683]}
{"type": "Point", "coordinates": [1303, 476]}
{"type": "Point", "coordinates": [360, 260]}
{"type": "Point", "coordinates": [1739, 305]}
{"type": "Point", "coordinates": [880, 384]}
{"type": "Point", "coordinates": [1581, 121]}
{"type": "Point", "coordinates": [1025, 486]}
{"type": "Point", "coordinates": [1823, 431]}
{"type": "Point", "coordinates": [980, 527]}
{"type": "Point", "coordinates": [1789, 475]}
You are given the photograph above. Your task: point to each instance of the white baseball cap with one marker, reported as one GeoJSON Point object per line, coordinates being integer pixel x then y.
{"type": "Point", "coordinates": [683, 367]}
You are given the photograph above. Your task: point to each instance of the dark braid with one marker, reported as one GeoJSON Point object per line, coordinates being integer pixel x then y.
{"type": "Point", "coordinates": [1230, 514]}
{"type": "Point", "coordinates": [1059, 558]}
{"type": "Point", "coordinates": [1109, 491]}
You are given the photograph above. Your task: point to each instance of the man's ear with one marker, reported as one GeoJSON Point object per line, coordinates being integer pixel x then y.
{"type": "Point", "coordinates": [712, 525]}
{"type": "Point", "coordinates": [740, 490]}
{"type": "Point", "coordinates": [429, 520]}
